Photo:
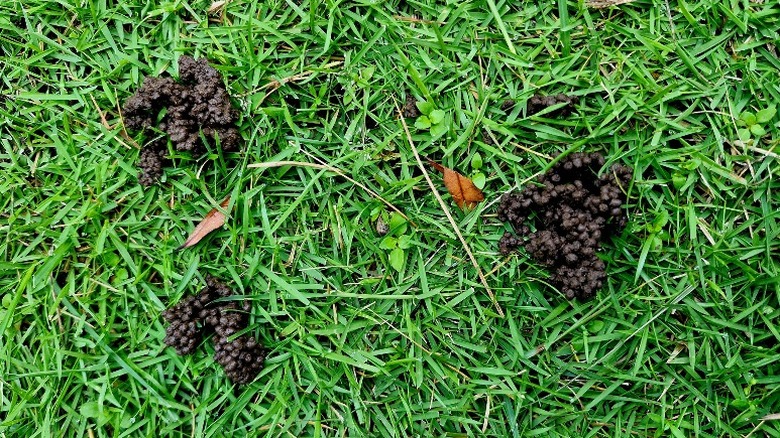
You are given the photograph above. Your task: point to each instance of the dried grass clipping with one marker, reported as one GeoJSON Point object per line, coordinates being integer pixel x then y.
{"type": "Point", "coordinates": [599, 4]}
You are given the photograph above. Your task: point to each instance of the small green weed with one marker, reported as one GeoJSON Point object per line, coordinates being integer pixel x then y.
{"type": "Point", "coordinates": [477, 177]}
{"type": "Point", "coordinates": [396, 242]}
{"type": "Point", "coordinates": [753, 124]}
{"type": "Point", "coordinates": [432, 119]}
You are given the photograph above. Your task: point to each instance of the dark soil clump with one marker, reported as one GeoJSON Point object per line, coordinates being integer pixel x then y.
{"type": "Point", "coordinates": [507, 105]}
{"type": "Point", "coordinates": [151, 162]}
{"type": "Point", "coordinates": [538, 103]}
{"type": "Point", "coordinates": [198, 102]}
{"type": "Point", "coordinates": [573, 211]}
{"type": "Point", "coordinates": [193, 317]}
{"type": "Point", "coordinates": [410, 110]}
{"type": "Point", "coordinates": [486, 138]}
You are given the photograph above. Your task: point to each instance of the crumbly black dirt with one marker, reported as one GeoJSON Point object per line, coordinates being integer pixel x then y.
{"type": "Point", "coordinates": [538, 102]}
{"type": "Point", "coordinates": [198, 102]}
{"type": "Point", "coordinates": [241, 357]}
{"type": "Point", "coordinates": [507, 105]}
{"type": "Point", "coordinates": [486, 138]}
{"type": "Point", "coordinates": [572, 210]}
{"type": "Point", "coordinates": [151, 162]}
{"type": "Point", "coordinates": [410, 110]}
{"type": "Point", "coordinates": [382, 228]}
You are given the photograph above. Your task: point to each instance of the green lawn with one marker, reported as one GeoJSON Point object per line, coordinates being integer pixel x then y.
{"type": "Point", "coordinates": [681, 341]}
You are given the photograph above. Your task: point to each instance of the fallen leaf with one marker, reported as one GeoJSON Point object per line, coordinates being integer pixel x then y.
{"type": "Point", "coordinates": [463, 191]}
{"type": "Point", "coordinates": [770, 417]}
{"type": "Point", "coordinates": [213, 220]}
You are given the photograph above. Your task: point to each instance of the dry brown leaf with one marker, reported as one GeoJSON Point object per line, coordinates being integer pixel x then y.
{"type": "Point", "coordinates": [463, 191]}
{"type": "Point", "coordinates": [770, 417]}
{"type": "Point", "coordinates": [213, 220]}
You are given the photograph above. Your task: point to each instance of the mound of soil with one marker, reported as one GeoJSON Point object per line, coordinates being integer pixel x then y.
{"type": "Point", "coordinates": [538, 102]}
{"type": "Point", "coordinates": [193, 317]}
{"type": "Point", "coordinates": [572, 211]}
{"type": "Point", "coordinates": [197, 103]}
{"type": "Point", "coordinates": [409, 110]}
{"type": "Point", "coordinates": [507, 105]}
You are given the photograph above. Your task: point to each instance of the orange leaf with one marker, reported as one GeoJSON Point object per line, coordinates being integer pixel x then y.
{"type": "Point", "coordinates": [213, 220]}
{"type": "Point", "coordinates": [463, 191]}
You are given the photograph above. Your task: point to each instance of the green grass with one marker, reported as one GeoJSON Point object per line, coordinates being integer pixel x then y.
{"type": "Point", "coordinates": [682, 340]}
